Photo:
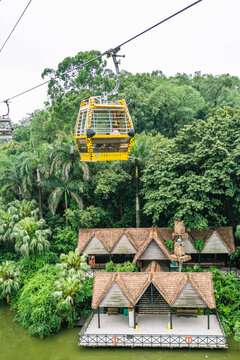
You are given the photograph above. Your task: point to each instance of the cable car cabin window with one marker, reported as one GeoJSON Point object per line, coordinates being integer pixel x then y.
{"type": "Point", "coordinates": [110, 145]}
{"type": "Point", "coordinates": [6, 130]}
{"type": "Point", "coordinates": [104, 120]}
{"type": "Point", "coordinates": [81, 123]}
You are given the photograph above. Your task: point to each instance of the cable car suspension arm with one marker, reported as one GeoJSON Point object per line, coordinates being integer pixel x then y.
{"type": "Point", "coordinates": [113, 53]}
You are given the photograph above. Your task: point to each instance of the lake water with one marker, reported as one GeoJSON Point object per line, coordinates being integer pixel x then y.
{"type": "Point", "coordinates": [16, 344]}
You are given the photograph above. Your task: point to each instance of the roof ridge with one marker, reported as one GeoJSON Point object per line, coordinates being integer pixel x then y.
{"type": "Point", "coordinates": [161, 289]}
{"type": "Point", "coordinates": [196, 286]}
{"type": "Point", "coordinates": [106, 289]}
{"type": "Point", "coordinates": [182, 283]}
{"type": "Point", "coordinates": [124, 231]}
{"type": "Point", "coordinates": [102, 240]}
{"type": "Point", "coordinates": [153, 235]}
{"type": "Point", "coordinates": [142, 290]}
{"type": "Point", "coordinates": [219, 237]}
{"type": "Point", "coordinates": [124, 288]}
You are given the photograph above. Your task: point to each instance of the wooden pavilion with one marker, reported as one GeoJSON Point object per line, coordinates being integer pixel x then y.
{"type": "Point", "coordinates": [143, 245]}
{"type": "Point", "coordinates": [153, 291]}
{"type": "Point", "coordinates": [162, 310]}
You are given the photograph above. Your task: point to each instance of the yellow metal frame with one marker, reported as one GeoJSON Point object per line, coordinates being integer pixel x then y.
{"type": "Point", "coordinates": [102, 156]}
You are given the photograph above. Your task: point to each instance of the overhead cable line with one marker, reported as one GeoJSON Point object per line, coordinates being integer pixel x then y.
{"type": "Point", "coordinates": [108, 51]}
{"type": "Point", "coordinates": [15, 26]}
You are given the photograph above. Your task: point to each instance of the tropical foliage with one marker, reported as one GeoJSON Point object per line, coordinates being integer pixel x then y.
{"type": "Point", "coordinates": [10, 279]}
{"type": "Point", "coordinates": [126, 267]}
{"type": "Point", "coordinates": [185, 164]}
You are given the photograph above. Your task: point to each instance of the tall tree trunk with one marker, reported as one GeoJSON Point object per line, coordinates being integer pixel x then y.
{"type": "Point", "coordinates": [8, 299]}
{"type": "Point", "coordinates": [66, 207]}
{"type": "Point", "coordinates": [39, 193]}
{"type": "Point", "coordinates": [137, 198]}
{"type": "Point", "coordinates": [121, 206]}
{"type": "Point", "coordinates": [20, 193]}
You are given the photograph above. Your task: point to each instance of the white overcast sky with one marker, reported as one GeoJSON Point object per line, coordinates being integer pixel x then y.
{"type": "Point", "coordinates": [204, 38]}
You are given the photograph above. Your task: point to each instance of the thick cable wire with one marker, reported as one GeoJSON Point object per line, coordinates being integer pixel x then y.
{"type": "Point", "coordinates": [106, 52]}
{"type": "Point", "coordinates": [15, 26]}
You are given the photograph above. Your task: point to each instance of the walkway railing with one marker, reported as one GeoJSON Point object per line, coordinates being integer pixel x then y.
{"type": "Point", "coordinates": [228, 271]}
{"type": "Point", "coordinates": [153, 340]}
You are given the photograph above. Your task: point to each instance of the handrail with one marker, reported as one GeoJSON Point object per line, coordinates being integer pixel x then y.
{"type": "Point", "coordinates": [152, 340]}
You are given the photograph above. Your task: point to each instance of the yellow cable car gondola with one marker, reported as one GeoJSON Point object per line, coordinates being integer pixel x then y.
{"type": "Point", "coordinates": [104, 129]}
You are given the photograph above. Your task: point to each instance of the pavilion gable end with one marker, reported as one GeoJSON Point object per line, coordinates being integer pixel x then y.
{"type": "Point", "coordinates": [124, 246]}
{"type": "Point", "coordinates": [189, 297]}
{"type": "Point", "coordinates": [95, 246]}
{"type": "Point", "coordinates": [115, 298]}
{"type": "Point", "coordinates": [215, 245]}
{"type": "Point", "coordinates": [189, 248]}
{"type": "Point", "coordinates": [153, 252]}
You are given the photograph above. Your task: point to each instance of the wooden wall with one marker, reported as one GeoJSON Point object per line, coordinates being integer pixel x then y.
{"type": "Point", "coordinates": [115, 298]}
{"type": "Point", "coordinates": [95, 246]}
{"type": "Point", "coordinates": [153, 252]}
{"type": "Point", "coordinates": [189, 248]}
{"type": "Point", "coordinates": [215, 245]}
{"type": "Point", "coordinates": [189, 297]}
{"type": "Point", "coordinates": [124, 246]}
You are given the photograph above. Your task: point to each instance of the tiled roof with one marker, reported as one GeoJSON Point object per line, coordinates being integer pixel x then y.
{"type": "Point", "coordinates": [170, 285]}
{"type": "Point", "coordinates": [139, 237]}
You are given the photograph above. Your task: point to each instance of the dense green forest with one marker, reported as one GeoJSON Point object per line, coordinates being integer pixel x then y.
{"type": "Point", "coordinates": [185, 164]}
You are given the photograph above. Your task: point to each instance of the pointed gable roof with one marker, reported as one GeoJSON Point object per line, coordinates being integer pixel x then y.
{"type": "Point", "coordinates": [153, 235]}
{"type": "Point", "coordinates": [102, 283]}
{"type": "Point", "coordinates": [224, 233]}
{"type": "Point", "coordinates": [154, 267]}
{"type": "Point", "coordinates": [213, 242]}
{"type": "Point", "coordinates": [110, 237]}
{"type": "Point", "coordinates": [170, 285]}
{"type": "Point", "coordinates": [204, 285]}
{"type": "Point", "coordinates": [135, 284]}
{"type": "Point", "coordinates": [140, 236]}
{"type": "Point", "coordinates": [131, 244]}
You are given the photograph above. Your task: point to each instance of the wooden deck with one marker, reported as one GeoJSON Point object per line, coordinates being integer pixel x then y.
{"type": "Point", "coordinates": [153, 331]}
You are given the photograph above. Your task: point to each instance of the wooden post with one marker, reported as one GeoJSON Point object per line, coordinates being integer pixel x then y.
{"type": "Point", "coordinates": [98, 318]}
{"type": "Point", "coordinates": [171, 318]}
{"type": "Point", "coordinates": [134, 320]}
{"type": "Point", "coordinates": [208, 320]}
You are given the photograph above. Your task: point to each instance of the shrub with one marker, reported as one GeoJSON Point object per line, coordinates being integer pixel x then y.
{"type": "Point", "coordinates": [36, 305]}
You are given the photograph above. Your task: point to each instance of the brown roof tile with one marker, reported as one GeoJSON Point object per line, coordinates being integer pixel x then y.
{"type": "Point", "coordinates": [154, 267]}
{"type": "Point", "coordinates": [169, 285]}
{"type": "Point", "coordinates": [154, 234]}
{"type": "Point", "coordinates": [225, 233]}
{"type": "Point", "coordinates": [138, 236]}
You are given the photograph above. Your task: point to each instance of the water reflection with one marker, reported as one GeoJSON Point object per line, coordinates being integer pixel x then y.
{"type": "Point", "coordinates": [16, 344]}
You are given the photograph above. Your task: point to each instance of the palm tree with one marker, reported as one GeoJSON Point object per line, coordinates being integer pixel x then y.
{"type": "Point", "coordinates": [10, 279]}
{"type": "Point", "coordinates": [30, 236]}
{"type": "Point", "coordinates": [73, 263]}
{"type": "Point", "coordinates": [65, 189]}
{"type": "Point", "coordinates": [140, 152]}
{"type": "Point", "coordinates": [9, 216]}
{"type": "Point", "coordinates": [65, 157]}
{"type": "Point", "coordinates": [10, 178]}
{"type": "Point", "coordinates": [67, 288]}
{"type": "Point", "coordinates": [66, 166]}
{"type": "Point", "coordinates": [31, 168]}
